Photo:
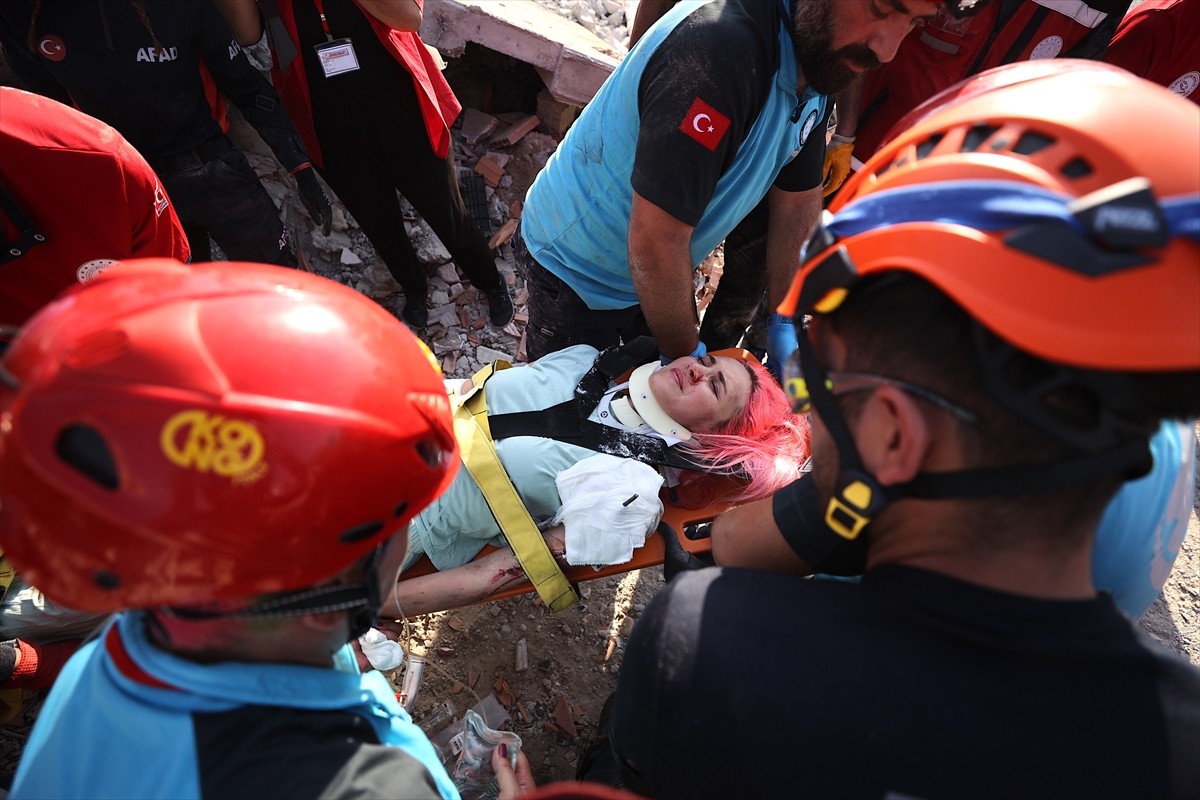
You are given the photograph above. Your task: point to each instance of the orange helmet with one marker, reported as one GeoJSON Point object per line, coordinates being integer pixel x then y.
{"type": "Point", "coordinates": [171, 435]}
{"type": "Point", "coordinates": [1058, 203]}
{"type": "Point", "coordinates": [1063, 218]}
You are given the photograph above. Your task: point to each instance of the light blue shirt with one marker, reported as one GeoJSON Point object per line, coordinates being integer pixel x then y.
{"type": "Point", "coordinates": [105, 734]}
{"type": "Point", "coordinates": [456, 526]}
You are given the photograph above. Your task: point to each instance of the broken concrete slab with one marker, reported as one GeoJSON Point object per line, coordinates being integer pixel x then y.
{"type": "Point", "coordinates": [512, 134]}
{"type": "Point", "coordinates": [477, 125]}
{"type": "Point", "coordinates": [572, 61]}
{"type": "Point", "coordinates": [487, 355]}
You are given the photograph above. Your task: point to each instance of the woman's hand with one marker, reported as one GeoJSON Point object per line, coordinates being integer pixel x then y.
{"type": "Point", "coordinates": [436, 55]}
{"type": "Point", "coordinates": [364, 663]}
{"type": "Point", "coordinates": [392, 627]}
{"type": "Point", "coordinates": [513, 783]}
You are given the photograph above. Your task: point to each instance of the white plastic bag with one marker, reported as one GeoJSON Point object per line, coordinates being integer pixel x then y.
{"type": "Point", "coordinates": [609, 506]}
{"type": "Point", "coordinates": [382, 652]}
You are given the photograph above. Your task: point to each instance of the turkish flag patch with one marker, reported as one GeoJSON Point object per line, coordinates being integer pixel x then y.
{"type": "Point", "coordinates": [705, 124]}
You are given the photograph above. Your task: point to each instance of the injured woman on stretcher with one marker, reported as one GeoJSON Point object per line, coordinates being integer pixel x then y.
{"type": "Point", "coordinates": [587, 456]}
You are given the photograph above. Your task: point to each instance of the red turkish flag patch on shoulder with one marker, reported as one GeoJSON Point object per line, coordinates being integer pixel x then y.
{"type": "Point", "coordinates": [705, 124]}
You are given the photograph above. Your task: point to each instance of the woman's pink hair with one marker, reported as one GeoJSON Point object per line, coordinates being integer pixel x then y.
{"type": "Point", "coordinates": [765, 446]}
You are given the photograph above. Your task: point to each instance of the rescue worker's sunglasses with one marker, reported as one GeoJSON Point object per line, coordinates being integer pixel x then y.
{"type": "Point", "coordinates": [843, 383]}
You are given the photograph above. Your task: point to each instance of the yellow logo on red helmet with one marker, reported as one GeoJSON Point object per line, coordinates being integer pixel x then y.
{"type": "Point", "coordinates": [431, 357]}
{"type": "Point", "coordinates": [230, 448]}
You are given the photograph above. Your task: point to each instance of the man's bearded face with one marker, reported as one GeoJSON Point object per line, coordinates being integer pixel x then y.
{"type": "Point", "coordinates": [826, 70]}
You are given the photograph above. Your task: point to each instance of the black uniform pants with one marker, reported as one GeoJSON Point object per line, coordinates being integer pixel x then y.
{"type": "Point", "coordinates": [217, 193]}
{"type": "Point", "coordinates": [368, 158]}
{"type": "Point", "coordinates": [558, 317]}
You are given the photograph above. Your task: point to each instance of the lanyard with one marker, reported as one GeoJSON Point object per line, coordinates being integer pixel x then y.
{"type": "Point", "coordinates": [324, 23]}
{"type": "Point", "coordinates": [783, 8]}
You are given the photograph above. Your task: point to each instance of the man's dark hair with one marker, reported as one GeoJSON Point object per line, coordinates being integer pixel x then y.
{"type": "Point", "coordinates": [902, 326]}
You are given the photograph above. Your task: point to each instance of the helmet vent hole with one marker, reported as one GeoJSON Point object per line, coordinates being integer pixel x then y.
{"type": "Point", "coordinates": [84, 449]}
{"type": "Point", "coordinates": [106, 580]}
{"type": "Point", "coordinates": [401, 507]}
{"type": "Point", "coordinates": [1077, 167]}
{"type": "Point", "coordinates": [360, 532]}
{"type": "Point", "coordinates": [1031, 142]}
{"type": "Point", "coordinates": [926, 147]}
{"type": "Point", "coordinates": [977, 136]}
{"type": "Point", "coordinates": [430, 453]}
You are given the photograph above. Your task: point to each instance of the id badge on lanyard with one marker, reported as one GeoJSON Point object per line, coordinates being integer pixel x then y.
{"type": "Point", "coordinates": [335, 56]}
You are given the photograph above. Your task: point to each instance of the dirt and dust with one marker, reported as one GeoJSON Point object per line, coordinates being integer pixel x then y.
{"type": "Point", "coordinates": [554, 688]}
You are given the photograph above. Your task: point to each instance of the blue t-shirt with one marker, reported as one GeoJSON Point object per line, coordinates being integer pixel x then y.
{"type": "Point", "coordinates": [701, 119]}
{"type": "Point", "coordinates": [127, 719]}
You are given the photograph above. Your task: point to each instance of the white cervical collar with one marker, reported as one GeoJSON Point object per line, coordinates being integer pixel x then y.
{"type": "Point", "coordinates": [648, 411]}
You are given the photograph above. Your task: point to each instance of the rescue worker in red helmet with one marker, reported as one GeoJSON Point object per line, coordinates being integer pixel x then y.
{"type": "Point", "coordinates": [997, 318]}
{"type": "Point", "coordinates": [234, 454]}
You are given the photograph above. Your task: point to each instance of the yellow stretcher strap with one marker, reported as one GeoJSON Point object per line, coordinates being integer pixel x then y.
{"type": "Point", "coordinates": [7, 573]}
{"type": "Point", "coordinates": [10, 699]}
{"type": "Point", "coordinates": [479, 456]}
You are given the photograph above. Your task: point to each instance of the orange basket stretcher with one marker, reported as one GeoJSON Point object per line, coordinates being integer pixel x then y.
{"type": "Point", "coordinates": [688, 524]}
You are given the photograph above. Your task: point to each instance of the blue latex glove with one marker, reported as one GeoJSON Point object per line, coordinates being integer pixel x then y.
{"type": "Point", "coordinates": [700, 350]}
{"type": "Point", "coordinates": [781, 343]}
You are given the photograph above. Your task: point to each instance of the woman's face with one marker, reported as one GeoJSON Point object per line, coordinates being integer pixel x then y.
{"type": "Point", "coordinates": [702, 394]}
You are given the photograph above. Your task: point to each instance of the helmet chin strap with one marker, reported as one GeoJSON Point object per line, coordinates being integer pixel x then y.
{"type": "Point", "coordinates": [858, 497]}
{"type": "Point", "coordinates": [362, 600]}
{"type": "Point", "coordinates": [641, 407]}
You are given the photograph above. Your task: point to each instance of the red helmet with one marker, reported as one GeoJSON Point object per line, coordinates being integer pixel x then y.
{"type": "Point", "coordinates": [171, 435]}
{"type": "Point", "coordinates": [1054, 201]}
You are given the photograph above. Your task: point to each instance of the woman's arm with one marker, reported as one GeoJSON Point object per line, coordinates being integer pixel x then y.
{"type": "Point", "coordinates": [471, 583]}
{"type": "Point", "coordinates": [243, 20]}
{"type": "Point", "coordinates": [403, 15]}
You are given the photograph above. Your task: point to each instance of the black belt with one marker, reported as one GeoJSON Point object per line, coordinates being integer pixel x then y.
{"type": "Point", "coordinates": [201, 153]}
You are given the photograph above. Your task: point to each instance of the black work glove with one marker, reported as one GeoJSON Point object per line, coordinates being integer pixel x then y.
{"type": "Point", "coordinates": [675, 558]}
{"type": "Point", "coordinates": [314, 199]}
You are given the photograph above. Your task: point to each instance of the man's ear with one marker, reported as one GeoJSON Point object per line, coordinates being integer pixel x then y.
{"type": "Point", "coordinates": [893, 436]}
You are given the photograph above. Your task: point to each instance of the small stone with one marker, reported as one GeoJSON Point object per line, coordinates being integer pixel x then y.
{"type": "Point", "coordinates": [500, 159]}
{"type": "Point", "coordinates": [335, 242]}
{"type": "Point", "coordinates": [562, 716]}
{"type": "Point", "coordinates": [340, 221]}
{"type": "Point", "coordinates": [449, 343]}
{"type": "Point", "coordinates": [349, 257]}
{"type": "Point", "coordinates": [487, 355]}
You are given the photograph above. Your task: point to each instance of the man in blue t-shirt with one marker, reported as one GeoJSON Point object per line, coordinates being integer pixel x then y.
{"type": "Point", "coordinates": [719, 105]}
